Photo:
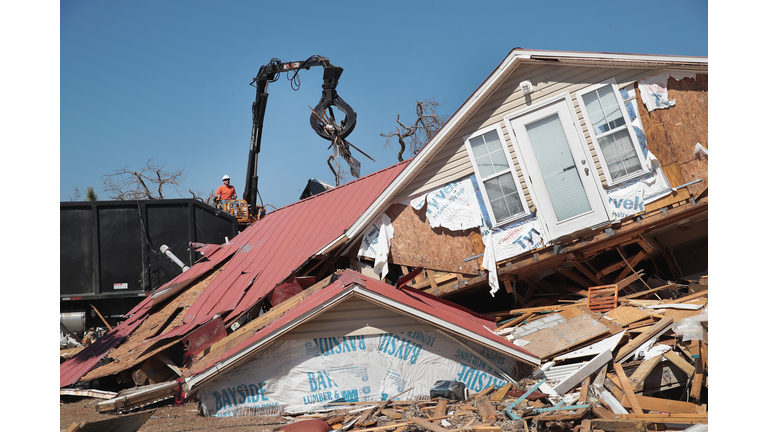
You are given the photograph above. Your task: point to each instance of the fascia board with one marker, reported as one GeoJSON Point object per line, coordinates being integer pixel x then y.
{"type": "Point", "coordinates": [437, 142]}
{"type": "Point", "coordinates": [446, 325]}
{"type": "Point", "coordinates": [614, 56]}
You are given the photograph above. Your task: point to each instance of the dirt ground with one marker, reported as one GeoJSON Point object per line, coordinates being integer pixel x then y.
{"type": "Point", "coordinates": [167, 418]}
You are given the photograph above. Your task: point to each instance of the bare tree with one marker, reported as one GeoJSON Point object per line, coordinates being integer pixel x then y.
{"type": "Point", "coordinates": [414, 138]}
{"type": "Point", "coordinates": [75, 195]}
{"type": "Point", "coordinates": [147, 183]}
{"type": "Point", "coordinates": [338, 172]}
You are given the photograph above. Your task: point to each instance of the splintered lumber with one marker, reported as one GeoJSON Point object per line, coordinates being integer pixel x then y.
{"type": "Point", "coordinates": [665, 405]}
{"type": "Point", "coordinates": [442, 404]}
{"type": "Point", "coordinates": [427, 425]}
{"type": "Point", "coordinates": [698, 376]}
{"type": "Point", "coordinates": [642, 338]}
{"type": "Point", "coordinates": [499, 395]}
{"type": "Point", "coordinates": [140, 396]}
{"type": "Point", "coordinates": [629, 392]}
{"type": "Point", "coordinates": [515, 321]}
{"type": "Point", "coordinates": [619, 425]}
{"type": "Point", "coordinates": [485, 409]}
{"type": "Point", "coordinates": [667, 418]}
{"type": "Point", "coordinates": [680, 362]}
{"type": "Point", "coordinates": [638, 377]}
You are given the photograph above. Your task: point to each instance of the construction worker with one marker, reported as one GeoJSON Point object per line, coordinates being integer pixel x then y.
{"type": "Point", "coordinates": [226, 191]}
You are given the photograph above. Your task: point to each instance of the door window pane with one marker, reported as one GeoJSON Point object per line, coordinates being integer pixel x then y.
{"type": "Point", "coordinates": [555, 161]}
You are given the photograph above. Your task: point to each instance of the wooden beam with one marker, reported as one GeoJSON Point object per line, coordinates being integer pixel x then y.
{"type": "Point", "coordinates": [588, 272]}
{"type": "Point", "coordinates": [680, 362]}
{"type": "Point", "coordinates": [642, 338]}
{"type": "Point", "coordinates": [602, 241]}
{"type": "Point", "coordinates": [698, 376]}
{"type": "Point", "coordinates": [632, 263]}
{"type": "Point", "coordinates": [611, 268]}
{"type": "Point", "coordinates": [665, 405]}
{"type": "Point", "coordinates": [574, 276]}
{"type": "Point", "coordinates": [515, 321]}
{"type": "Point", "coordinates": [501, 393]}
{"type": "Point", "coordinates": [102, 318]}
{"type": "Point", "coordinates": [629, 392]}
{"type": "Point", "coordinates": [638, 377]}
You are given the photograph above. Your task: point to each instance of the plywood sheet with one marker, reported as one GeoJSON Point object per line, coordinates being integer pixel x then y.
{"type": "Point", "coordinates": [416, 243]}
{"type": "Point", "coordinates": [672, 133]}
{"type": "Point", "coordinates": [563, 336]}
{"type": "Point", "coordinates": [626, 315]}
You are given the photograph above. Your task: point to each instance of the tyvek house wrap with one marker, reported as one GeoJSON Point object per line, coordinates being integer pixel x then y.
{"type": "Point", "coordinates": [306, 374]}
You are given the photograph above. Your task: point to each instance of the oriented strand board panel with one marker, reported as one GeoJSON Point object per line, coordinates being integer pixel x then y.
{"type": "Point", "coordinates": [672, 133]}
{"type": "Point", "coordinates": [416, 243]}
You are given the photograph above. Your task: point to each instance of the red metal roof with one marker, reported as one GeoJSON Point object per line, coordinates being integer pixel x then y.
{"type": "Point", "coordinates": [436, 307]}
{"type": "Point", "coordinates": [270, 250]}
{"type": "Point", "coordinates": [76, 367]}
{"type": "Point", "coordinates": [265, 254]}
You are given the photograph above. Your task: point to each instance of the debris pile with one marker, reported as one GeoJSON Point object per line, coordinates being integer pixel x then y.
{"type": "Point", "coordinates": [639, 366]}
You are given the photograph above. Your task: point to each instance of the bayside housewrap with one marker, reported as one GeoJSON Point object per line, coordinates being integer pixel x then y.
{"type": "Point", "coordinates": [356, 340]}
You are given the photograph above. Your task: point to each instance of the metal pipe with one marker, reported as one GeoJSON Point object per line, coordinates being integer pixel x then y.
{"type": "Point", "coordinates": [167, 252]}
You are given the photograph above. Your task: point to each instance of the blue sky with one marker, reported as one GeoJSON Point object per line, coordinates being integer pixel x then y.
{"type": "Point", "coordinates": [170, 80]}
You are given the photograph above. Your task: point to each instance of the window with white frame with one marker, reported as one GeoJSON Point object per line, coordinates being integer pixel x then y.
{"type": "Point", "coordinates": [612, 133]}
{"type": "Point", "coordinates": [498, 181]}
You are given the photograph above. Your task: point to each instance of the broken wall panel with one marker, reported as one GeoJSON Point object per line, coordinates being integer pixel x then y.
{"type": "Point", "coordinates": [416, 243]}
{"type": "Point", "coordinates": [672, 133]}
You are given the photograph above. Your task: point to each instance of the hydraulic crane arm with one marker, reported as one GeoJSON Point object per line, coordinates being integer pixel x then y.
{"type": "Point", "coordinates": [270, 73]}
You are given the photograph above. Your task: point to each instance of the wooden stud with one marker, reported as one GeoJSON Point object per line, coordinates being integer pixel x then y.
{"type": "Point", "coordinates": [698, 376]}
{"type": "Point", "coordinates": [628, 389]}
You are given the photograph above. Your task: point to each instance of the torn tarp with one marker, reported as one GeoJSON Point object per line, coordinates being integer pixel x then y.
{"type": "Point", "coordinates": [654, 89]}
{"type": "Point", "coordinates": [375, 243]}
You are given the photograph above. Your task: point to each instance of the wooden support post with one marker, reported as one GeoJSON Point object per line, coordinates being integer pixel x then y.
{"type": "Point", "coordinates": [698, 376]}
{"type": "Point", "coordinates": [629, 392]}
{"type": "Point", "coordinates": [102, 318]}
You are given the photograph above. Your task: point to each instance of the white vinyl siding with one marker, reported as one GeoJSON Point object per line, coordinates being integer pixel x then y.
{"type": "Point", "coordinates": [453, 162]}
{"type": "Point", "coordinates": [498, 180]}
{"type": "Point", "coordinates": [608, 123]}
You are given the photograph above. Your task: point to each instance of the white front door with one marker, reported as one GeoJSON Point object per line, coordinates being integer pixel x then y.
{"type": "Point", "coordinates": [560, 170]}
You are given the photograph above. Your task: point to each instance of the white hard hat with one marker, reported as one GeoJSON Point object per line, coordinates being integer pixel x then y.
{"type": "Point", "coordinates": [226, 177]}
